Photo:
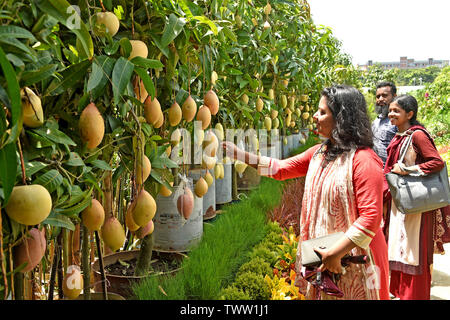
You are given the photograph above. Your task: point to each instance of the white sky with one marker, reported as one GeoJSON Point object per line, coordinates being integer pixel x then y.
{"type": "Point", "coordinates": [384, 30]}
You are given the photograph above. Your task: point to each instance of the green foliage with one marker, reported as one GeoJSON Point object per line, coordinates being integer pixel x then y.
{"type": "Point", "coordinates": [254, 285]}
{"type": "Point", "coordinates": [374, 75]}
{"type": "Point", "coordinates": [415, 77]}
{"type": "Point", "coordinates": [272, 240]}
{"type": "Point", "coordinates": [265, 253]}
{"type": "Point", "coordinates": [273, 226]}
{"type": "Point", "coordinates": [224, 248]}
{"type": "Point", "coordinates": [234, 293]}
{"type": "Point", "coordinates": [256, 265]}
{"type": "Point", "coordinates": [434, 107]}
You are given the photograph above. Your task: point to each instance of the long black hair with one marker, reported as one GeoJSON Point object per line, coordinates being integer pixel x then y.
{"type": "Point", "coordinates": [352, 124]}
{"type": "Point", "coordinates": [408, 103]}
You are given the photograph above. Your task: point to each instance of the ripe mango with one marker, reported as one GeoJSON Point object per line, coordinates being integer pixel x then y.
{"type": "Point", "coordinates": [152, 110]}
{"type": "Point", "coordinates": [113, 234]}
{"type": "Point", "coordinates": [201, 187]}
{"type": "Point", "coordinates": [92, 126]}
{"type": "Point", "coordinates": [145, 230]}
{"type": "Point", "coordinates": [72, 282]}
{"type": "Point", "coordinates": [143, 169]}
{"type": "Point", "coordinates": [33, 115]}
{"type": "Point", "coordinates": [93, 216]}
{"type": "Point", "coordinates": [211, 101]}
{"type": "Point", "coordinates": [204, 115]}
{"type": "Point", "coordinates": [189, 109]}
{"type": "Point", "coordinates": [144, 208]}
{"type": "Point", "coordinates": [106, 22]}
{"type": "Point", "coordinates": [138, 49]}
{"type": "Point", "coordinates": [30, 250]}
{"type": "Point", "coordinates": [29, 205]}
{"type": "Point", "coordinates": [185, 203]}
{"type": "Point", "coordinates": [175, 114]}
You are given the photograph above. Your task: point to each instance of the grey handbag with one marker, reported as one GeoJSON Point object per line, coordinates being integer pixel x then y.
{"type": "Point", "coordinates": [310, 258]}
{"type": "Point", "coordinates": [415, 194]}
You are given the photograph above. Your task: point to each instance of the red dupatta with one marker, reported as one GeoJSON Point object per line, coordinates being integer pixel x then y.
{"type": "Point", "coordinates": [442, 220]}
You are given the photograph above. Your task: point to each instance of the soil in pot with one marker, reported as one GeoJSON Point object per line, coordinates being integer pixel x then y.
{"type": "Point", "coordinates": [119, 269]}
{"type": "Point", "coordinates": [162, 264]}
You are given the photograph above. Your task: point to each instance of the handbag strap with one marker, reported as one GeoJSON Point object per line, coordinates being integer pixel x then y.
{"type": "Point", "coordinates": [405, 148]}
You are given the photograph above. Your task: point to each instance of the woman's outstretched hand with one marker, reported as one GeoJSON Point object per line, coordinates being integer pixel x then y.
{"type": "Point", "coordinates": [231, 150]}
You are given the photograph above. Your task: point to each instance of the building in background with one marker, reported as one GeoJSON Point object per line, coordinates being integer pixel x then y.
{"type": "Point", "coordinates": [406, 63]}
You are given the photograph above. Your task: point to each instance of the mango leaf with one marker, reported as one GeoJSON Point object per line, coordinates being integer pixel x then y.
{"type": "Point", "coordinates": [74, 160]}
{"type": "Point", "coordinates": [67, 15]}
{"type": "Point", "coordinates": [13, 95]}
{"type": "Point", "coordinates": [75, 204]}
{"type": "Point", "coordinates": [39, 141]}
{"type": "Point", "coordinates": [209, 23]}
{"type": "Point", "coordinates": [126, 46]}
{"type": "Point", "coordinates": [17, 44]}
{"type": "Point", "coordinates": [234, 71]}
{"type": "Point", "coordinates": [11, 31]}
{"type": "Point", "coordinates": [54, 135]}
{"type": "Point", "coordinates": [50, 180]}
{"type": "Point", "coordinates": [157, 41]}
{"type": "Point", "coordinates": [147, 63]}
{"type": "Point", "coordinates": [70, 77]}
{"type": "Point", "coordinates": [172, 29]}
{"type": "Point", "coordinates": [230, 34]}
{"type": "Point", "coordinates": [101, 165]}
{"type": "Point", "coordinates": [59, 220]}
{"type": "Point", "coordinates": [8, 169]}
{"type": "Point", "coordinates": [121, 76]}
{"type": "Point", "coordinates": [101, 71]}
{"type": "Point", "coordinates": [34, 167]}
{"type": "Point", "coordinates": [31, 77]}
{"type": "Point", "coordinates": [148, 83]}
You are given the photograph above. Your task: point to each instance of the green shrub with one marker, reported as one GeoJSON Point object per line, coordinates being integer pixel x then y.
{"type": "Point", "coordinates": [272, 240]}
{"type": "Point", "coordinates": [254, 285]}
{"type": "Point", "coordinates": [256, 265]}
{"type": "Point", "coordinates": [233, 293]}
{"type": "Point", "coordinates": [265, 253]}
{"type": "Point", "coordinates": [273, 226]}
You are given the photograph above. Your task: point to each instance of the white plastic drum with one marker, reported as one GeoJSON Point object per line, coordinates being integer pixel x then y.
{"type": "Point", "coordinates": [173, 232]}
{"type": "Point", "coordinates": [223, 186]}
{"type": "Point", "coordinates": [209, 199]}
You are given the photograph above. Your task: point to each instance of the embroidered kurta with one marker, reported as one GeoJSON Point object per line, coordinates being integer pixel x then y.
{"type": "Point", "coordinates": [345, 195]}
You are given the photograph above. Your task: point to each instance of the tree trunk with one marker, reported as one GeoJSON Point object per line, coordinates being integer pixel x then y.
{"type": "Point", "coordinates": [143, 265]}
{"type": "Point", "coordinates": [86, 265]}
{"type": "Point", "coordinates": [234, 188]}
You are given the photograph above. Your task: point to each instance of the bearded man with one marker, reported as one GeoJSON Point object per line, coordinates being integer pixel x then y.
{"type": "Point", "coordinates": [382, 129]}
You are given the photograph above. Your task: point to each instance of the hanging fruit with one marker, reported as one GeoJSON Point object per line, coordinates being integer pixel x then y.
{"type": "Point", "coordinates": [211, 101]}
{"type": "Point", "coordinates": [29, 205]}
{"type": "Point", "coordinates": [189, 109]}
{"type": "Point", "coordinates": [93, 216]}
{"type": "Point", "coordinates": [33, 115]}
{"type": "Point", "coordinates": [175, 114]}
{"type": "Point", "coordinates": [185, 203]}
{"type": "Point", "coordinates": [92, 126]}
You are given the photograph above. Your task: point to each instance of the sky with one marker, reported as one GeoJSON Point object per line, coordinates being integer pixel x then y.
{"type": "Point", "coordinates": [384, 30]}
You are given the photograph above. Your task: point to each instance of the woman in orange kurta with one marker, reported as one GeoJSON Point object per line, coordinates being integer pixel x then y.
{"type": "Point", "coordinates": [343, 192]}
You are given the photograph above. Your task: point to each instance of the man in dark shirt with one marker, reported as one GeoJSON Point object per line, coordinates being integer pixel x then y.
{"type": "Point", "coordinates": [383, 130]}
